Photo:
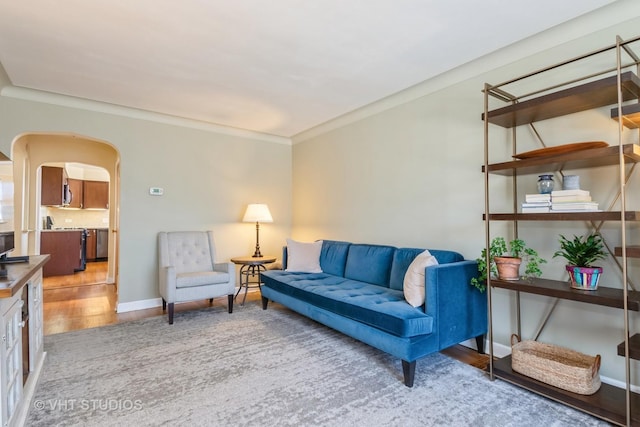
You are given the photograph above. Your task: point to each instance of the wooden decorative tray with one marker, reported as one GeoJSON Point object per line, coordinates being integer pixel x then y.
{"type": "Point", "coordinates": [561, 149]}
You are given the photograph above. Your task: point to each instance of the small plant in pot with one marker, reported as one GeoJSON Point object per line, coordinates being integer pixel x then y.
{"type": "Point", "coordinates": [504, 262]}
{"type": "Point", "coordinates": [581, 253]}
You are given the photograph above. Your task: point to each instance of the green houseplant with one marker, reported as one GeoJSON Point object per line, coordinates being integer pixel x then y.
{"type": "Point", "coordinates": [510, 255]}
{"type": "Point", "coordinates": [581, 253]}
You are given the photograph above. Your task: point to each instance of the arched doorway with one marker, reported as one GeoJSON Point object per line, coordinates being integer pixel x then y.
{"type": "Point", "coordinates": [32, 150]}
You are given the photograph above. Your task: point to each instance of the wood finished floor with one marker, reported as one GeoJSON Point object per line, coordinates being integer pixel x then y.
{"type": "Point", "coordinates": [83, 300]}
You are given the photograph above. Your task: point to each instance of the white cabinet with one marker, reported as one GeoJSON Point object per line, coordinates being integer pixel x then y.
{"type": "Point", "coordinates": [21, 334]}
{"type": "Point", "coordinates": [11, 357]}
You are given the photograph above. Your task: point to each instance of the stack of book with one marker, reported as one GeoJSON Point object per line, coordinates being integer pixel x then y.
{"type": "Point", "coordinates": [572, 201]}
{"type": "Point", "coordinates": [536, 203]}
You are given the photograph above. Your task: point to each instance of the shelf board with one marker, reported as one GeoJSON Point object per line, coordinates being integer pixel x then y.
{"type": "Point", "coordinates": [634, 347]}
{"type": "Point", "coordinates": [565, 216]}
{"type": "Point", "coordinates": [630, 115]}
{"type": "Point", "coordinates": [586, 96]}
{"type": "Point", "coordinates": [633, 251]}
{"type": "Point", "coordinates": [608, 403]}
{"type": "Point", "coordinates": [604, 296]}
{"type": "Point", "coordinates": [594, 157]}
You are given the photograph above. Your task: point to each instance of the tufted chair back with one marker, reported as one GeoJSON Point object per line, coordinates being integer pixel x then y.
{"type": "Point", "coordinates": [190, 251]}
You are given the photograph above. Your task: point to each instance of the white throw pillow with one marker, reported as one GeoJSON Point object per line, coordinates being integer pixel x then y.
{"type": "Point", "coordinates": [413, 286]}
{"type": "Point", "coordinates": [303, 257]}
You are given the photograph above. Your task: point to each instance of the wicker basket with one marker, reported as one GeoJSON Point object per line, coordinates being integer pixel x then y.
{"type": "Point", "coordinates": [560, 367]}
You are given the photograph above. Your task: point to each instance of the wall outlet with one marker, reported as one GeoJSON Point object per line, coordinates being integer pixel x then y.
{"type": "Point", "coordinates": [156, 191]}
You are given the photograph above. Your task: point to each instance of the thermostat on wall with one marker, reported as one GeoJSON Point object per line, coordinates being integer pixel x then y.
{"type": "Point", "coordinates": [156, 191]}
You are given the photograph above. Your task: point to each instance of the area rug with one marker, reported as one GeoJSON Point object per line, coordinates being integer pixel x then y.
{"type": "Point", "coordinates": [264, 368]}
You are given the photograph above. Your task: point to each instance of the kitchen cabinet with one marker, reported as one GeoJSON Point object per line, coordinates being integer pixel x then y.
{"type": "Point", "coordinates": [65, 248]}
{"type": "Point", "coordinates": [76, 188]}
{"type": "Point", "coordinates": [96, 195]}
{"type": "Point", "coordinates": [91, 244]}
{"type": "Point", "coordinates": [21, 350]}
{"type": "Point", "coordinates": [618, 405]}
{"type": "Point", "coordinates": [52, 186]}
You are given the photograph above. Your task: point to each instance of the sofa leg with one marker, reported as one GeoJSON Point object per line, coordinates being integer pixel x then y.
{"type": "Point", "coordinates": [230, 303]}
{"type": "Point", "coordinates": [210, 301]}
{"type": "Point", "coordinates": [171, 313]}
{"type": "Point", "coordinates": [480, 343]}
{"type": "Point", "coordinates": [164, 305]}
{"type": "Point", "coordinates": [409, 371]}
{"type": "Point", "coordinates": [265, 301]}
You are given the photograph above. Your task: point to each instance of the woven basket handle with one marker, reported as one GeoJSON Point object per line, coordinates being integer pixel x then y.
{"type": "Point", "coordinates": [596, 366]}
{"type": "Point", "coordinates": [515, 339]}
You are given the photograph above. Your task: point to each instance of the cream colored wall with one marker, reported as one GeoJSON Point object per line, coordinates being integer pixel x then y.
{"type": "Point", "coordinates": [208, 179]}
{"type": "Point", "coordinates": [410, 175]}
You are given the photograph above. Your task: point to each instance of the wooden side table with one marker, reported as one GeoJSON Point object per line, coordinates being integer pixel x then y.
{"type": "Point", "coordinates": [250, 272]}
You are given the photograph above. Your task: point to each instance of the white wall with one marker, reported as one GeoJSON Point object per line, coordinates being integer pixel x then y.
{"type": "Point", "coordinates": [208, 178]}
{"type": "Point", "coordinates": [407, 172]}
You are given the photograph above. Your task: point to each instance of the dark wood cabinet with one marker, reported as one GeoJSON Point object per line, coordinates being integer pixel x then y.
{"type": "Point", "coordinates": [65, 249]}
{"type": "Point", "coordinates": [76, 189]}
{"type": "Point", "coordinates": [91, 244]}
{"type": "Point", "coordinates": [52, 186]}
{"type": "Point", "coordinates": [96, 195]}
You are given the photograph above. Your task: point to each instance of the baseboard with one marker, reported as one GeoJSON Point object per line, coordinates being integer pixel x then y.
{"type": "Point", "coordinates": [124, 307]}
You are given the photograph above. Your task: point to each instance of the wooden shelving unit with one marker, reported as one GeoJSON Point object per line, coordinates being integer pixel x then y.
{"type": "Point", "coordinates": [613, 404]}
{"type": "Point", "coordinates": [605, 296]}
{"type": "Point", "coordinates": [587, 96]}
{"type": "Point", "coordinates": [608, 403]}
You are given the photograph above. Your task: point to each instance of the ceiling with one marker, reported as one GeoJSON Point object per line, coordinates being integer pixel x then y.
{"type": "Point", "coordinates": [278, 67]}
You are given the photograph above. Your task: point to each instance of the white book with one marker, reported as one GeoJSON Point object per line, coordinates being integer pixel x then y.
{"type": "Point", "coordinates": [575, 192]}
{"type": "Point", "coordinates": [536, 209]}
{"type": "Point", "coordinates": [570, 199]}
{"type": "Point", "coordinates": [537, 197]}
{"type": "Point", "coordinates": [582, 206]}
{"type": "Point", "coordinates": [535, 204]}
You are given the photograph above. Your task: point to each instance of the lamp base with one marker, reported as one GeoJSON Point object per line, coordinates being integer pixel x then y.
{"type": "Point", "coordinates": [257, 254]}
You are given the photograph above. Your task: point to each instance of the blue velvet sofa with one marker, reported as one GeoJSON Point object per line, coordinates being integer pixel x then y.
{"type": "Point", "coordinates": [359, 293]}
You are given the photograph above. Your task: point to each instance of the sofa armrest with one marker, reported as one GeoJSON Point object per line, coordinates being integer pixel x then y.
{"type": "Point", "coordinates": [459, 310]}
{"type": "Point", "coordinates": [167, 285]}
{"type": "Point", "coordinates": [227, 267]}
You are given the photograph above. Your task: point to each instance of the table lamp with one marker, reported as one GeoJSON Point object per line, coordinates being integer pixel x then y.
{"type": "Point", "coordinates": [257, 212]}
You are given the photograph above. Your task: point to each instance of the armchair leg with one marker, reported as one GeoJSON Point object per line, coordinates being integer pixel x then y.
{"type": "Point", "coordinates": [210, 300]}
{"type": "Point", "coordinates": [171, 313]}
{"type": "Point", "coordinates": [164, 305]}
{"type": "Point", "coordinates": [230, 302]}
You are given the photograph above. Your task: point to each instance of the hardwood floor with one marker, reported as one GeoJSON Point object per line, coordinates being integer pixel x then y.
{"type": "Point", "coordinates": [83, 300]}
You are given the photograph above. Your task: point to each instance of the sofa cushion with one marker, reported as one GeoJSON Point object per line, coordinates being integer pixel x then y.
{"type": "Point", "coordinates": [369, 263]}
{"type": "Point", "coordinates": [414, 283]}
{"type": "Point", "coordinates": [333, 257]}
{"type": "Point", "coordinates": [377, 306]}
{"type": "Point", "coordinates": [304, 257]}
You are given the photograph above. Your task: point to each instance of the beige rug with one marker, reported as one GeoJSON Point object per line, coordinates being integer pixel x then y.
{"type": "Point", "coordinates": [264, 368]}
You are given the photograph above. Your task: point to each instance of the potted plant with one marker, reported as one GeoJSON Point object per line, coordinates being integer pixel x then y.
{"type": "Point", "coordinates": [581, 253]}
{"type": "Point", "coordinates": [504, 262]}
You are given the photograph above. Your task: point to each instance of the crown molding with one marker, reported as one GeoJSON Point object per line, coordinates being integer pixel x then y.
{"type": "Point", "coordinates": [118, 110]}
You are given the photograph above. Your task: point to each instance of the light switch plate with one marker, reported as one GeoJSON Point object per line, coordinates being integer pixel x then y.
{"type": "Point", "coordinates": [156, 191]}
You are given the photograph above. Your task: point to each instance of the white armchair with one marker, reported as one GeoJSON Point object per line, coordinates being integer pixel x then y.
{"type": "Point", "coordinates": [187, 269]}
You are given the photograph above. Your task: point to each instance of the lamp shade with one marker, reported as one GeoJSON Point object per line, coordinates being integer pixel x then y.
{"type": "Point", "coordinates": [257, 212]}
